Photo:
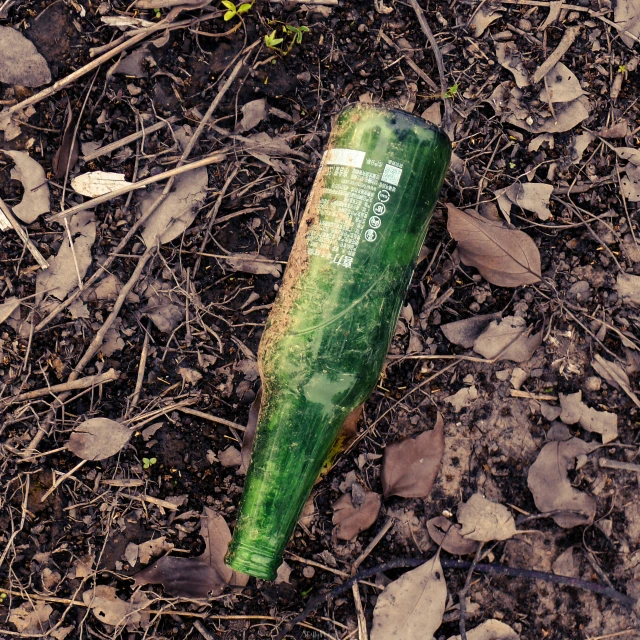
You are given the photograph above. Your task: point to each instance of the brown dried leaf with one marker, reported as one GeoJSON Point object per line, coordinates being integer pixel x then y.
{"type": "Point", "coordinates": [98, 438]}
{"type": "Point", "coordinates": [197, 577]}
{"type": "Point", "coordinates": [509, 57]}
{"type": "Point", "coordinates": [69, 151]}
{"type": "Point", "coordinates": [182, 577]}
{"type": "Point", "coordinates": [410, 467]}
{"type": "Point", "coordinates": [505, 257]}
{"type": "Point", "coordinates": [531, 196]}
{"type": "Point", "coordinates": [447, 535]}
{"type": "Point", "coordinates": [552, 491]}
{"type": "Point", "coordinates": [483, 520]}
{"type": "Point", "coordinates": [490, 630]}
{"type": "Point", "coordinates": [351, 519]}
{"type": "Point", "coordinates": [615, 375]}
{"type": "Point", "coordinates": [562, 85]}
{"type": "Point", "coordinates": [628, 288]}
{"type": "Point", "coordinates": [483, 18]}
{"type": "Point", "coordinates": [250, 432]}
{"type": "Point", "coordinates": [465, 332]}
{"type": "Point", "coordinates": [255, 264]}
{"type": "Point", "coordinates": [35, 200]}
{"type": "Point", "coordinates": [508, 339]}
{"type": "Point", "coordinates": [253, 113]}
{"type": "Point", "coordinates": [602, 422]}
{"type": "Point", "coordinates": [31, 618]}
{"type": "Point", "coordinates": [412, 607]}
{"type": "Point", "coordinates": [20, 62]}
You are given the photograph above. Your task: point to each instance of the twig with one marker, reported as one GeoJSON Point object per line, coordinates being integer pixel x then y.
{"type": "Point", "coordinates": [569, 36]}
{"type": "Point", "coordinates": [113, 146]}
{"type": "Point", "coordinates": [438, 56]}
{"type": "Point", "coordinates": [618, 464]}
{"type": "Point", "coordinates": [447, 563]}
{"type": "Point", "coordinates": [462, 597]}
{"type": "Point", "coordinates": [81, 383]}
{"type": "Point", "coordinates": [207, 416]}
{"type": "Point", "coordinates": [172, 173]}
{"type": "Point", "coordinates": [141, 368]}
{"type": "Point", "coordinates": [5, 210]}
{"type": "Point", "coordinates": [372, 545]}
{"type": "Point", "coordinates": [94, 64]}
{"type": "Point", "coordinates": [57, 482]}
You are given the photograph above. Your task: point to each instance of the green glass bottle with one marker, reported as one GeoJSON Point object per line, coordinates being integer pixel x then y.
{"type": "Point", "coordinates": [329, 330]}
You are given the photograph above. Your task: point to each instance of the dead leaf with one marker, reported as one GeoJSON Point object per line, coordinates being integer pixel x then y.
{"type": "Point", "coordinates": [113, 611]}
{"type": "Point", "coordinates": [531, 196]}
{"type": "Point", "coordinates": [565, 564]}
{"type": "Point", "coordinates": [230, 457]}
{"type": "Point", "coordinates": [567, 116]}
{"type": "Point", "coordinates": [483, 520]}
{"type": "Point", "coordinates": [615, 375]}
{"type": "Point", "coordinates": [410, 467]}
{"type": "Point", "coordinates": [250, 432]}
{"type": "Point", "coordinates": [131, 65]}
{"type": "Point", "coordinates": [619, 130]}
{"type": "Point", "coordinates": [411, 607]}
{"type": "Point", "coordinates": [98, 183]}
{"type": "Point", "coordinates": [602, 422]}
{"type": "Point", "coordinates": [98, 438]}
{"type": "Point", "coordinates": [447, 535]}
{"type": "Point", "coordinates": [197, 577]}
{"type": "Point", "coordinates": [20, 62]}
{"type": "Point", "coordinates": [151, 548]}
{"type": "Point", "coordinates": [107, 290]}
{"type": "Point", "coordinates": [35, 200]}
{"type": "Point", "coordinates": [69, 151]}
{"type": "Point", "coordinates": [163, 308]}
{"type": "Point", "coordinates": [253, 263]}
{"type": "Point", "coordinates": [189, 376]}
{"type": "Point", "coordinates": [552, 490]}
{"type": "Point", "coordinates": [490, 630]}
{"type": "Point", "coordinates": [61, 276]}
{"type": "Point", "coordinates": [8, 308]}
{"type": "Point", "coordinates": [483, 18]}
{"type": "Point", "coordinates": [627, 15]}
{"type": "Point", "coordinates": [465, 332]}
{"type": "Point", "coordinates": [178, 210]}
{"type": "Point", "coordinates": [579, 146]}
{"type": "Point", "coordinates": [508, 339]}
{"type": "Point", "coordinates": [351, 519]}
{"type": "Point", "coordinates": [509, 57]}
{"type": "Point", "coordinates": [628, 288]}
{"type": "Point", "coordinates": [462, 398]}
{"type": "Point", "coordinates": [284, 573]}
{"type": "Point", "coordinates": [562, 85]}
{"type": "Point", "coordinates": [253, 113]}
{"type": "Point", "coordinates": [505, 257]}
{"type": "Point", "coordinates": [182, 577]}
{"type": "Point", "coordinates": [31, 618]}
{"type": "Point", "coordinates": [216, 534]}
{"type": "Point", "coordinates": [345, 438]}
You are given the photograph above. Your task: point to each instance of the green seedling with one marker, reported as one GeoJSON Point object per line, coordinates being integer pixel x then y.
{"type": "Point", "coordinates": [3, 596]}
{"type": "Point", "coordinates": [296, 33]}
{"type": "Point", "coordinates": [272, 41]}
{"type": "Point", "coordinates": [233, 10]}
{"type": "Point", "coordinates": [452, 91]}
{"type": "Point", "coordinates": [622, 68]}
{"type": "Point", "coordinates": [148, 462]}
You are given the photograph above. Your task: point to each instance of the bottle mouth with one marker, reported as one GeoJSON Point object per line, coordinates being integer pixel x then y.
{"type": "Point", "coordinates": [260, 563]}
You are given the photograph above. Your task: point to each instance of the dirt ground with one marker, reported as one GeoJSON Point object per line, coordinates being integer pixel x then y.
{"type": "Point", "coordinates": [186, 337]}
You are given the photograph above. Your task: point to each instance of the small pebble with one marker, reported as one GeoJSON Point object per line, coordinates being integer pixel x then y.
{"type": "Point", "coordinates": [308, 572]}
{"type": "Point", "coordinates": [592, 383]}
{"type": "Point", "coordinates": [525, 25]}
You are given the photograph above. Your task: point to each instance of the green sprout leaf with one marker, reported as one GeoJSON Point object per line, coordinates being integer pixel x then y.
{"type": "Point", "coordinates": [271, 41]}
{"type": "Point", "coordinates": [228, 15]}
{"type": "Point", "coordinates": [243, 8]}
{"type": "Point", "coordinates": [148, 462]}
{"type": "Point", "coordinates": [229, 5]}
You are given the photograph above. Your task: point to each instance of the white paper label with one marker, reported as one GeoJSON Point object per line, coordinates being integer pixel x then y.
{"type": "Point", "coordinates": [345, 157]}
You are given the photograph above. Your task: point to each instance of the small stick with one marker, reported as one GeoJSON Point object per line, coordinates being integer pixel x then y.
{"type": "Point", "coordinates": [617, 464]}
{"type": "Point", "coordinates": [141, 368]}
{"type": "Point", "coordinates": [172, 173]}
{"type": "Point", "coordinates": [569, 36]}
{"type": "Point", "coordinates": [462, 598]}
{"type": "Point", "coordinates": [372, 545]}
{"type": "Point", "coordinates": [438, 56]}
{"type": "Point", "coordinates": [81, 383]}
{"type": "Point", "coordinates": [206, 416]}
{"type": "Point", "coordinates": [5, 210]}
{"type": "Point", "coordinates": [59, 481]}
{"type": "Point", "coordinates": [113, 146]}
{"type": "Point", "coordinates": [94, 64]}
{"type": "Point", "coordinates": [516, 393]}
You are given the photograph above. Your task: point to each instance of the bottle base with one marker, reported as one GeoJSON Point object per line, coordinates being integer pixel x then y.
{"type": "Point", "coordinates": [254, 562]}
